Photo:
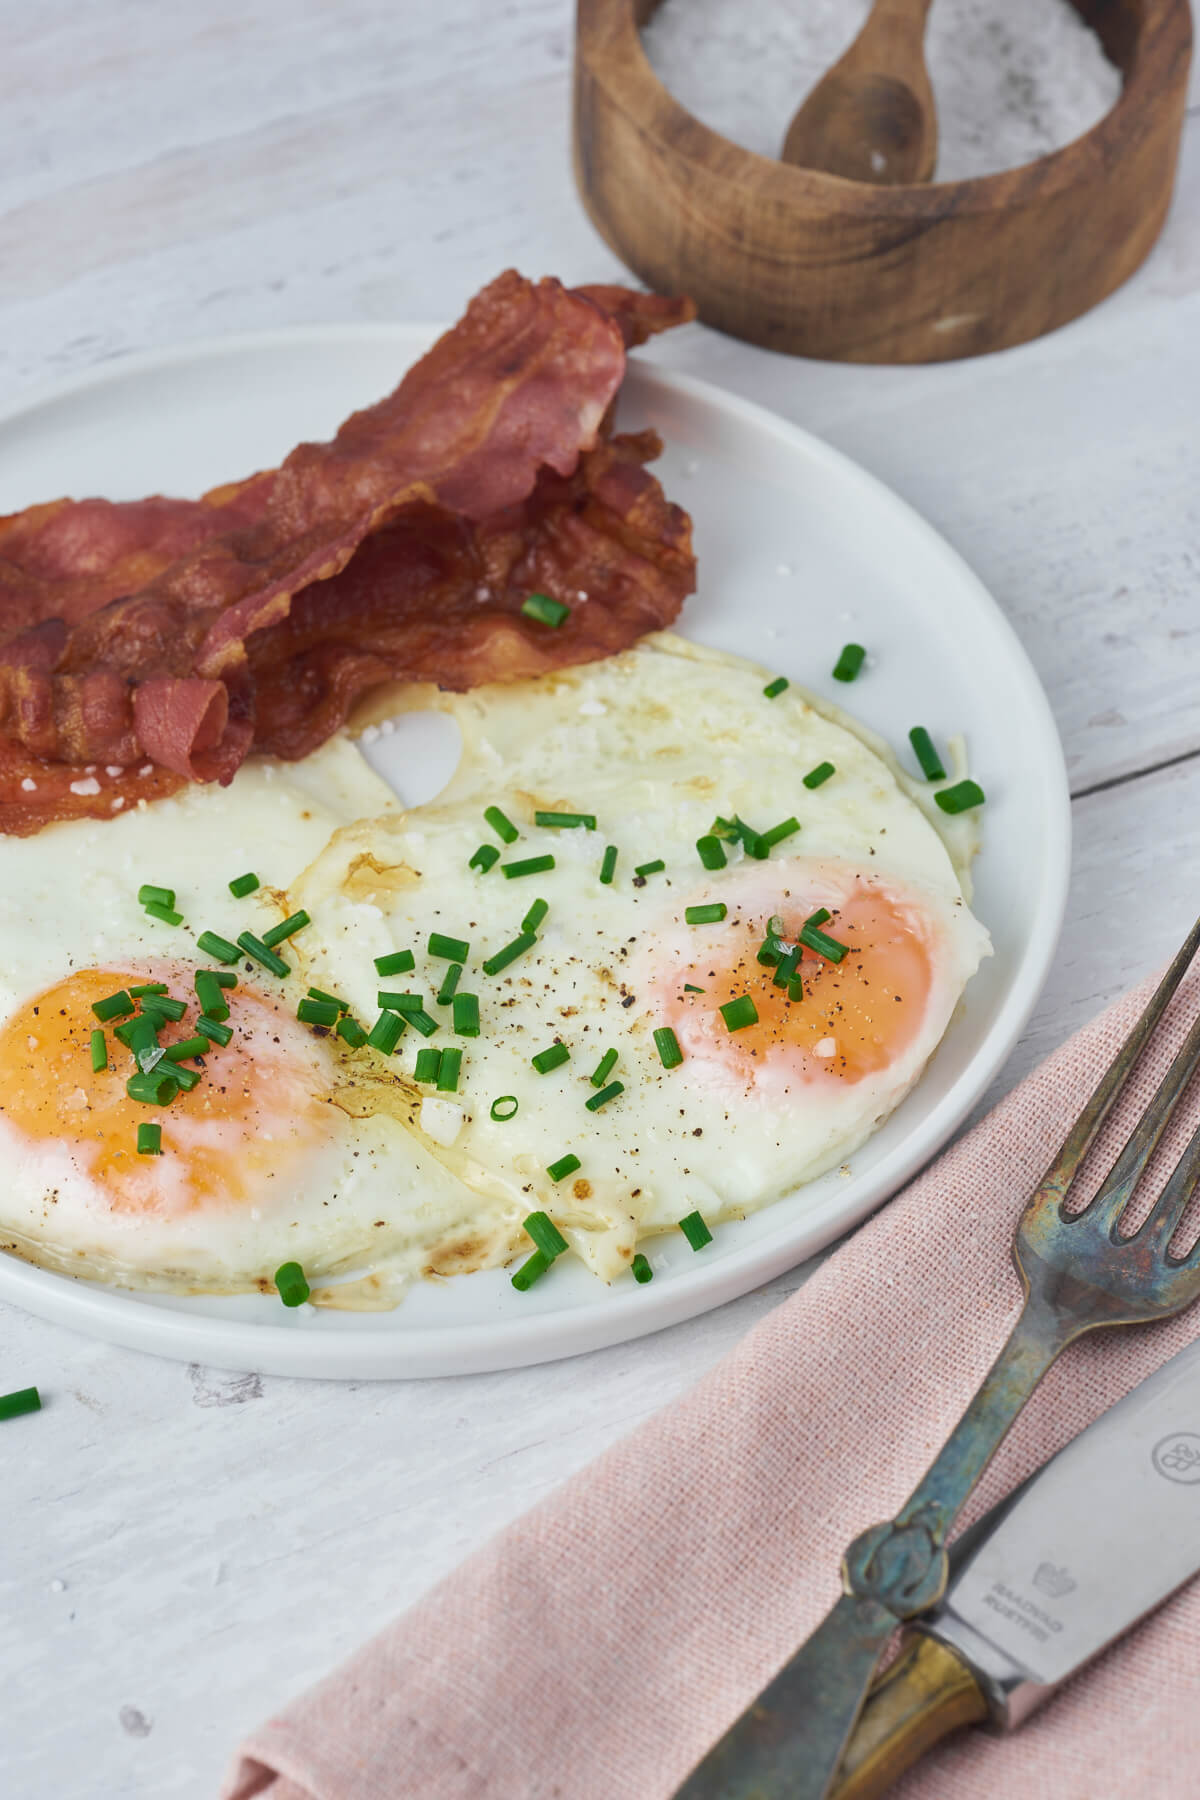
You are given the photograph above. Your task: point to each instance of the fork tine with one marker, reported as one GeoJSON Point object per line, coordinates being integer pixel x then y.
{"type": "Point", "coordinates": [1056, 1183]}
{"type": "Point", "coordinates": [1118, 1185]}
{"type": "Point", "coordinates": [1172, 1202]}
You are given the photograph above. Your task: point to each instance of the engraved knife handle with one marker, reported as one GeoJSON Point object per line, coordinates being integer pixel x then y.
{"type": "Point", "coordinates": [926, 1694]}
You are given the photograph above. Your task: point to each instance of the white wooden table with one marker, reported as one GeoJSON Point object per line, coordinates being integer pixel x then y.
{"type": "Point", "coordinates": [181, 1549]}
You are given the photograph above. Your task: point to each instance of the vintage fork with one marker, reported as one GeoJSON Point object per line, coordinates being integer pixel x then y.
{"type": "Point", "coordinates": [1078, 1273]}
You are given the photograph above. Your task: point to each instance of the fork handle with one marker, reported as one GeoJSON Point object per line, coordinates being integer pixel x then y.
{"type": "Point", "coordinates": [791, 1740]}
{"type": "Point", "coordinates": [1037, 1339]}
{"type": "Point", "coordinates": [787, 1745]}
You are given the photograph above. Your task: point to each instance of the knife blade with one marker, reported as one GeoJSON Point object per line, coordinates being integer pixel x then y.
{"type": "Point", "coordinates": [1091, 1543]}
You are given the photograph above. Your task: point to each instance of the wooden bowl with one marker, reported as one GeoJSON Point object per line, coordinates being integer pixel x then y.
{"type": "Point", "coordinates": [801, 261]}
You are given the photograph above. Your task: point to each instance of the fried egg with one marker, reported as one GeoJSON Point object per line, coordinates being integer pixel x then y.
{"type": "Point", "coordinates": [580, 1016]}
{"type": "Point", "coordinates": [648, 748]}
{"type": "Point", "coordinates": [261, 1162]}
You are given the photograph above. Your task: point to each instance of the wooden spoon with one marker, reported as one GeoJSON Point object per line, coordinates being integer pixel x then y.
{"type": "Point", "coordinates": [872, 116]}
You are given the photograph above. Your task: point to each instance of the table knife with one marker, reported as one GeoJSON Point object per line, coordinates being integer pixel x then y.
{"type": "Point", "coordinates": [1103, 1533]}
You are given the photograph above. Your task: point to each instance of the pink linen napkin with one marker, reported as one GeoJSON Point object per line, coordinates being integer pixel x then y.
{"type": "Point", "coordinates": [597, 1647]}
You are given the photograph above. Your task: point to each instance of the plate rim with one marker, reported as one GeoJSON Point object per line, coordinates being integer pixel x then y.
{"type": "Point", "coordinates": [390, 1354]}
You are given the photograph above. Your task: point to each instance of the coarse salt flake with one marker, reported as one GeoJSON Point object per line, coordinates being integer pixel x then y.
{"type": "Point", "coordinates": [89, 785]}
{"type": "Point", "coordinates": [28, 785]}
{"type": "Point", "coordinates": [827, 1047]}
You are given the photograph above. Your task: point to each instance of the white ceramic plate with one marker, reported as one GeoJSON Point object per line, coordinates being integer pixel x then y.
{"type": "Point", "coordinates": [799, 551]}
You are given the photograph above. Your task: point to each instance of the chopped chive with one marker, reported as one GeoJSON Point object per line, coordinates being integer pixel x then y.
{"type": "Point", "coordinates": [316, 994]}
{"type": "Point", "coordinates": [820, 774]}
{"type": "Point", "coordinates": [926, 755]}
{"type": "Point", "coordinates": [796, 988]}
{"type": "Point", "coordinates": [552, 1058]}
{"type": "Point", "coordinates": [466, 1015]}
{"type": "Point", "coordinates": [960, 798]}
{"type": "Point", "coordinates": [729, 829]}
{"type": "Point", "coordinates": [399, 962]}
{"type": "Point", "coordinates": [711, 852]}
{"type": "Point", "coordinates": [596, 1101]}
{"type": "Point", "coordinates": [639, 1268]}
{"type": "Point", "coordinates": [485, 858]}
{"type": "Point", "coordinates": [450, 981]}
{"type": "Point", "coordinates": [510, 953]}
{"type": "Point", "coordinates": [351, 1032]}
{"type": "Point", "coordinates": [566, 1165]}
{"type": "Point", "coordinates": [448, 1069]}
{"type": "Point", "coordinates": [138, 1033]}
{"type": "Point", "coordinates": [213, 1028]}
{"type": "Point", "coordinates": [822, 916]}
{"type": "Point", "coordinates": [241, 885]}
{"type": "Point", "coordinates": [148, 987]}
{"type": "Point", "coordinates": [545, 1234]}
{"type": "Point", "coordinates": [290, 1284]}
{"type": "Point", "coordinates": [186, 1049]}
{"type": "Point", "coordinates": [695, 1231]}
{"type": "Point", "coordinates": [223, 977]}
{"type": "Point", "coordinates": [141, 1037]}
{"type": "Point", "coordinates": [163, 913]}
{"type": "Point", "coordinates": [113, 1006]}
{"type": "Point", "coordinates": [211, 995]}
{"type": "Point", "coordinates": [385, 1033]}
{"type": "Point", "coordinates": [536, 1266]}
{"type": "Point", "coordinates": [739, 1013]}
{"type": "Point", "coordinates": [755, 844]}
{"type": "Point", "coordinates": [711, 914]}
{"type": "Point", "coordinates": [263, 953]}
{"type": "Point", "coordinates": [449, 949]}
{"type": "Point", "coordinates": [774, 688]}
{"type": "Point", "coordinates": [608, 866]}
{"type": "Point", "coordinates": [604, 1068]}
{"type": "Point", "coordinates": [288, 928]}
{"type": "Point", "coordinates": [690, 988]}
{"type": "Point", "coordinates": [824, 946]}
{"type": "Point", "coordinates": [849, 663]}
{"type": "Point", "coordinates": [529, 865]}
{"type": "Point", "coordinates": [99, 1052]}
{"type": "Point", "coordinates": [545, 610]}
{"type": "Point", "coordinates": [24, 1400]}
{"type": "Point", "coordinates": [318, 1012]}
{"type": "Point", "coordinates": [220, 947]}
{"type": "Point", "coordinates": [535, 915]}
{"type": "Point", "coordinates": [501, 824]}
{"type": "Point", "coordinates": [650, 868]}
{"type": "Point", "coordinates": [405, 1003]}
{"type": "Point", "coordinates": [771, 951]}
{"type": "Point", "coordinates": [505, 1108]}
{"type": "Point", "coordinates": [149, 1140]}
{"type": "Point", "coordinates": [667, 1045]}
{"type": "Point", "coordinates": [421, 1021]}
{"type": "Point", "coordinates": [187, 1079]}
{"type": "Point", "coordinates": [154, 1087]}
{"type": "Point", "coordinates": [428, 1065]}
{"type": "Point", "coordinates": [163, 1006]}
{"type": "Point", "coordinates": [149, 895]}
{"type": "Point", "coordinates": [777, 833]}
{"type": "Point", "coordinates": [787, 968]}
{"type": "Point", "coordinates": [565, 821]}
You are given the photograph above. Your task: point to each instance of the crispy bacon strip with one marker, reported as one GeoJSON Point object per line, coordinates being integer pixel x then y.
{"type": "Point", "coordinates": [160, 629]}
{"type": "Point", "coordinates": [433, 598]}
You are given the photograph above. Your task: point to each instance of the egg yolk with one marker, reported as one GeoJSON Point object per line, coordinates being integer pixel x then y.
{"type": "Point", "coordinates": [257, 1112]}
{"type": "Point", "coordinates": [856, 1016]}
